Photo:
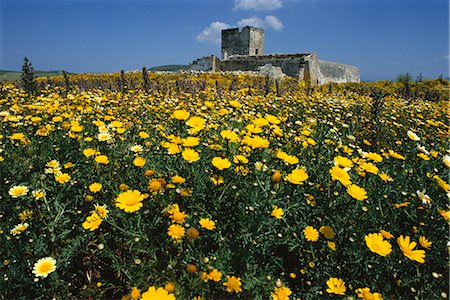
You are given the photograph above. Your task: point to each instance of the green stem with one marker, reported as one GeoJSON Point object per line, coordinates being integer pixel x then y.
{"type": "Point", "coordinates": [312, 251]}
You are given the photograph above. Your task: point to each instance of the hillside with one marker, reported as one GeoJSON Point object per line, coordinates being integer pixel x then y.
{"type": "Point", "coordinates": [171, 68]}
{"type": "Point", "coordinates": [13, 75]}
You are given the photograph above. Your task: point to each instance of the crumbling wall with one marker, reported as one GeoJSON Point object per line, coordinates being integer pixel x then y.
{"type": "Point", "coordinates": [334, 72]}
{"type": "Point", "coordinates": [204, 63]}
{"type": "Point", "coordinates": [291, 65]}
{"type": "Point", "coordinates": [249, 41]}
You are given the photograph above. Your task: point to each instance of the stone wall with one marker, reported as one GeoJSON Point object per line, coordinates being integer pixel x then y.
{"type": "Point", "coordinates": [334, 72]}
{"type": "Point", "coordinates": [249, 41]}
{"type": "Point", "coordinates": [291, 65]}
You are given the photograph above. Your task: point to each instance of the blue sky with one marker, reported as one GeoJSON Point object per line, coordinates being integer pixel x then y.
{"type": "Point", "coordinates": [381, 37]}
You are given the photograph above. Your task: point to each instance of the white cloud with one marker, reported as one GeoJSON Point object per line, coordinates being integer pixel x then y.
{"type": "Point", "coordinates": [212, 33]}
{"type": "Point", "coordinates": [253, 21]}
{"type": "Point", "coordinates": [269, 22]}
{"type": "Point", "coordinates": [257, 4]}
{"type": "Point", "coordinates": [273, 22]}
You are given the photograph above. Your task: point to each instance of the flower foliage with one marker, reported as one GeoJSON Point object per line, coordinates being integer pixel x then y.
{"type": "Point", "coordinates": [220, 186]}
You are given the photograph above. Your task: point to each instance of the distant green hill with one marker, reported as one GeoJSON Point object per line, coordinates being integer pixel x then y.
{"type": "Point", "coordinates": [171, 68]}
{"type": "Point", "coordinates": [13, 75]}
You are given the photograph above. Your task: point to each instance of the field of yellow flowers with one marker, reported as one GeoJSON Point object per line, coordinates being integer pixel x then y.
{"type": "Point", "coordinates": [211, 186]}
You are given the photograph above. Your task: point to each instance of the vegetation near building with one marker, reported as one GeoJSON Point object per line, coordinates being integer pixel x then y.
{"type": "Point", "coordinates": [27, 78]}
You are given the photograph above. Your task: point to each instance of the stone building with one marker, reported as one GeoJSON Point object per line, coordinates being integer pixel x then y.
{"type": "Point", "coordinates": [244, 51]}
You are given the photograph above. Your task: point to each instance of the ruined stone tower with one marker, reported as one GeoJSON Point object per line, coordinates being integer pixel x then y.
{"type": "Point", "coordinates": [249, 41]}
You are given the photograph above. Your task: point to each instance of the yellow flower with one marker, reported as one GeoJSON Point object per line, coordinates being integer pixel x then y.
{"type": "Point", "coordinates": [445, 214]}
{"type": "Point", "coordinates": [178, 217]}
{"type": "Point", "coordinates": [341, 175]}
{"type": "Point", "coordinates": [233, 284]}
{"type": "Point", "coordinates": [368, 167]}
{"type": "Point", "coordinates": [424, 242]}
{"type": "Point", "coordinates": [386, 234]}
{"type": "Point", "coordinates": [297, 176]}
{"type": "Point", "coordinates": [377, 244]}
{"type": "Point", "coordinates": [180, 114]}
{"type": "Point", "coordinates": [407, 249]}
{"type": "Point", "coordinates": [396, 155]}
{"type": "Point", "coordinates": [178, 179]}
{"type": "Point", "coordinates": [130, 201]}
{"type": "Point", "coordinates": [217, 180]}
{"type": "Point", "coordinates": [385, 177]}
{"type": "Point", "coordinates": [253, 129]}
{"type": "Point", "coordinates": [89, 152]}
{"type": "Point", "coordinates": [311, 234]}
{"type": "Point", "coordinates": [373, 156]}
{"type": "Point", "coordinates": [214, 275]}
{"type": "Point", "coordinates": [336, 286]}
{"type": "Point", "coordinates": [95, 187]}
{"type": "Point", "coordinates": [442, 184]}
{"type": "Point", "coordinates": [93, 221]}
{"type": "Point", "coordinates": [277, 212]}
{"type": "Point", "coordinates": [169, 287]}
{"type": "Point", "coordinates": [139, 161]}
{"type": "Point", "coordinates": [221, 163]}
{"type": "Point", "coordinates": [290, 159]}
{"type": "Point", "coordinates": [331, 245]}
{"type": "Point", "coordinates": [207, 223]}
{"type": "Point", "coordinates": [281, 293]}
{"type": "Point", "coordinates": [175, 231]}
{"type": "Point", "coordinates": [365, 294]}
{"type": "Point", "coordinates": [191, 141]}
{"type": "Point", "coordinates": [25, 214]}
{"type": "Point", "coordinates": [144, 135]}
{"type": "Point", "coordinates": [357, 192]}
{"type": "Point", "coordinates": [240, 159]}
{"type": "Point", "coordinates": [19, 228]}
{"type": "Point", "coordinates": [423, 156]}
{"type": "Point", "coordinates": [44, 266]}
{"type": "Point", "coordinates": [62, 177]}
{"type": "Point", "coordinates": [413, 136]}
{"type": "Point", "coordinates": [102, 159]}
{"type": "Point", "coordinates": [190, 155]}
{"type": "Point", "coordinates": [343, 162]}
{"type": "Point", "coordinates": [197, 123]}
{"type": "Point", "coordinates": [18, 191]}
{"type": "Point", "coordinates": [154, 293]}
{"type": "Point", "coordinates": [327, 231]}
{"type": "Point", "coordinates": [38, 194]}
{"type": "Point", "coordinates": [229, 136]}
{"type": "Point", "coordinates": [101, 210]}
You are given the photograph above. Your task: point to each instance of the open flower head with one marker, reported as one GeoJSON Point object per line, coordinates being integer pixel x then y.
{"type": "Point", "coordinates": [311, 234]}
{"type": "Point", "coordinates": [207, 223]}
{"type": "Point", "coordinates": [130, 201]}
{"type": "Point", "coordinates": [365, 294]}
{"type": "Point", "coordinates": [357, 192]}
{"type": "Point", "coordinates": [341, 175]}
{"type": "Point", "coordinates": [18, 191]}
{"type": "Point", "coordinates": [233, 284]}
{"type": "Point", "coordinates": [176, 232]}
{"type": "Point", "coordinates": [407, 248]}
{"type": "Point", "coordinates": [154, 293]}
{"type": "Point", "coordinates": [297, 176]}
{"type": "Point", "coordinates": [221, 163]}
{"type": "Point", "coordinates": [376, 243]}
{"type": "Point", "coordinates": [44, 266]}
{"type": "Point", "coordinates": [281, 293]}
{"type": "Point", "coordinates": [336, 286]}
{"type": "Point", "coordinates": [277, 212]}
